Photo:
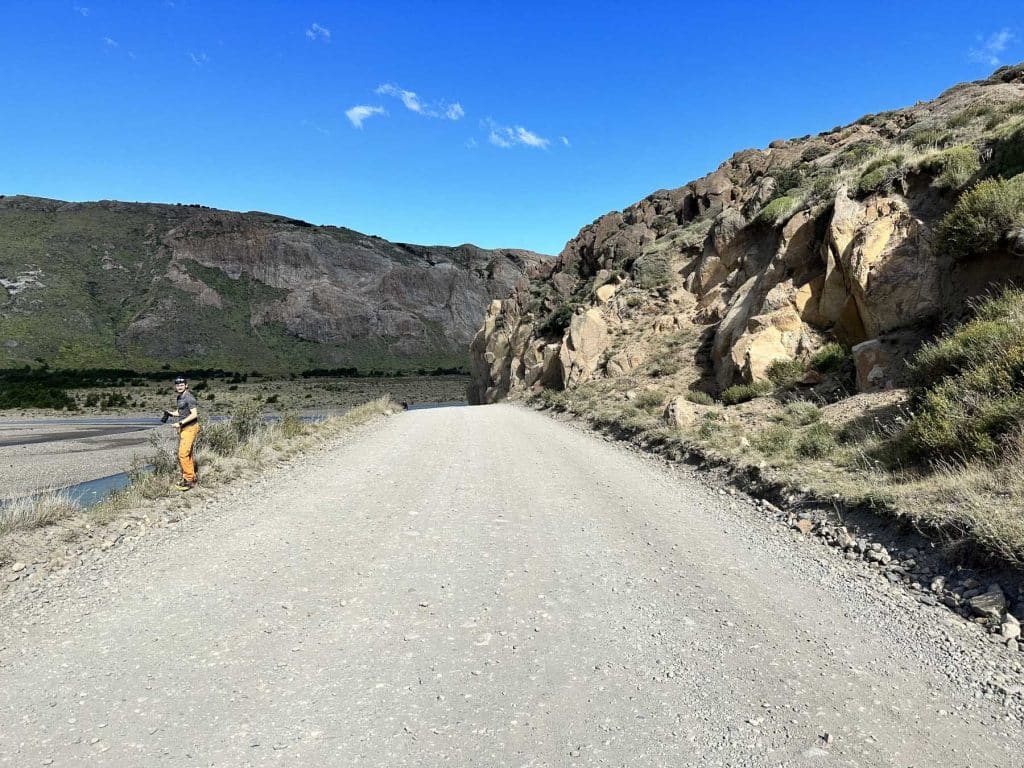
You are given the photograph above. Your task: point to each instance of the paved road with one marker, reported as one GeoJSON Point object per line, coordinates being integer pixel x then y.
{"type": "Point", "coordinates": [482, 587]}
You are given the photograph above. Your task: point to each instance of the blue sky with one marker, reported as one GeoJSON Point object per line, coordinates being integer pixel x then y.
{"type": "Point", "coordinates": [527, 121]}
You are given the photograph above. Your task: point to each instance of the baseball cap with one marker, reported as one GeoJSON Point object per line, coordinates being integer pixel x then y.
{"type": "Point", "coordinates": [180, 380]}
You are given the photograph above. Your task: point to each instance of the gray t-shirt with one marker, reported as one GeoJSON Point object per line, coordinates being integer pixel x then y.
{"type": "Point", "coordinates": [186, 402]}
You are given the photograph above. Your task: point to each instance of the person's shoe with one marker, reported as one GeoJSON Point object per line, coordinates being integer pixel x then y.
{"type": "Point", "coordinates": [184, 485]}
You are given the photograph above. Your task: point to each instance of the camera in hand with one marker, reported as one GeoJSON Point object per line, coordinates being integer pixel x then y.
{"type": "Point", "coordinates": [165, 417]}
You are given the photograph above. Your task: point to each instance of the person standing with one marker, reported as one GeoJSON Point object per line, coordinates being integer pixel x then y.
{"type": "Point", "coordinates": [187, 411]}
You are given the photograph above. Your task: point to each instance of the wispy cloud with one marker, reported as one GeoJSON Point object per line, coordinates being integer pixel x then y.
{"type": "Point", "coordinates": [565, 140]}
{"type": "Point", "coordinates": [199, 59]}
{"type": "Point", "coordinates": [80, 10]}
{"type": "Point", "coordinates": [356, 115]}
{"type": "Point", "coordinates": [506, 136]}
{"type": "Point", "coordinates": [414, 103]}
{"type": "Point", "coordinates": [110, 42]}
{"type": "Point", "coordinates": [989, 50]}
{"type": "Point", "coordinates": [317, 32]}
{"type": "Point", "coordinates": [315, 127]}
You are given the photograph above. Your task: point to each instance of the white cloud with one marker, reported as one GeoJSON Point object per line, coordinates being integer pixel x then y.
{"type": "Point", "coordinates": [110, 42]}
{"type": "Point", "coordinates": [471, 143]}
{"type": "Point", "coordinates": [409, 98]}
{"type": "Point", "coordinates": [356, 115]}
{"type": "Point", "coordinates": [81, 10]}
{"type": "Point", "coordinates": [414, 103]}
{"type": "Point", "coordinates": [989, 50]}
{"type": "Point", "coordinates": [316, 32]}
{"type": "Point", "coordinates": [505, 136]}
{"type": "Point", "coordinates": [530, 139]}
{"type": "Point", "coordinates": [565, 141]}
{"type": "Point", "coordinates": [198, 58]}
{"type": "Point", "coordinates": [499, 139]}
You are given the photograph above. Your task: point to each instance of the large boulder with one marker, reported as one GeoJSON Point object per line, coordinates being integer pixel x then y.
{"type": "Point", "coordinates": [583, 346]}
{"type": "Point", "coordinates": [882, 362]}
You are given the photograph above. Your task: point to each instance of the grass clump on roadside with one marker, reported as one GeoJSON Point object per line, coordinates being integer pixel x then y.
{"type": "Point", "coordinates": [226, 450]}
{"type": "Point", "coordinates": [970, 396]}
{"type": "Point", "coordinates": [36, 512]}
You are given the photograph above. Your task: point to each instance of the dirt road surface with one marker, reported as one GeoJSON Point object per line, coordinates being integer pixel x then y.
{"type": "Point", "coordinates": [485, 587]}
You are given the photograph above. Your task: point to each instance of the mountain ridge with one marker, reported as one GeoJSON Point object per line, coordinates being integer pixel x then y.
{"type": "Point", "coordinates": [111, 283]}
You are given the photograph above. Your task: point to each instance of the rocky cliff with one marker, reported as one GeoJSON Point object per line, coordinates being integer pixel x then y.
{"type": "Point", "coordinates": [115, 284]}
{"type": "Point", "coordinates": [839, 238]}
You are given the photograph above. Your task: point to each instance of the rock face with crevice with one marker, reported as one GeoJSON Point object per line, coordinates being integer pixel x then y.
{"type": "Point", "coordinates": [827, 238]}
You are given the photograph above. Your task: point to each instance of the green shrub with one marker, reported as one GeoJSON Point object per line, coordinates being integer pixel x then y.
{"type": "Point", "coordinates": [292, 426]}
{"type": "Point", "coordinates": [830, 357]}
{"type": "Point", "coordinates": [787, 179]}
{"type": "Point", "coordinates": [247, 421]}
{"type": "Point", "coordinates": [710, 425]}
{"type": "Point", "coordinates": [785, 373]}
{"type": "Point", "coordinates": [801, 413]}
{"type": "Point", "coordinates": [982, 217]}
{"type": "Point", "coordinates": [970, 393]}
{"type": "Point", "coordinates": [559, 320]}
{"type": "Point", "coordinates": [700, 398]}
{"type": "Point", "coordinates": [741, 393]}
{"type": "Point", "coordinates": [953, 167]}
{"type": "Point", "coordinates": [773, 440]}
{"type": "Point", "coordinates": [969, 114]}
{"type": "Point", "coordinates": [824, 184]}
{"type": "Point", "coordinates": [777, 211]}
{"type": "Point", "coordinates": [817, 442]}
{"type": "Point", "coordinates": [32, 395]}
{"type": "Point", "coordinates": [220, 438]}
{"type": "Point", "coordinates": [650, 400]}
{"type": "Point", "coordinates": [813, 152]}
{"type": "Point", "coordinates": [858, 152]}
{"type": "Point", "coordinates": [652, 269]}
{"type": "Point", "coordinates": [927, 137]}
{"type": "Point", "coordinates": [878, 179]}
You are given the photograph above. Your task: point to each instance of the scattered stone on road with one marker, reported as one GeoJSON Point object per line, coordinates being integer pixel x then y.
{"type": "Point", "coordinates": [486, 586]}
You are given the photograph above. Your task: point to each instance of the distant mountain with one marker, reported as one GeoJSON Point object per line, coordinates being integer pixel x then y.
{"type": "Point", "coordinates": [139, 285]}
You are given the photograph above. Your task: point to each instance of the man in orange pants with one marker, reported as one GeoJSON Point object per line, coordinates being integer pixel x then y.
{"type": "Point", "coordinates": [187, 411]}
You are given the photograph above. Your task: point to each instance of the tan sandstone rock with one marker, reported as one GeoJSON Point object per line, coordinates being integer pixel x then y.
{"type": "Point", "coordinates": [583, 346]}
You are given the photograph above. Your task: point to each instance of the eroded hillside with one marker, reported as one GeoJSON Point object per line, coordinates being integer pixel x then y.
{"type": "Point", "coordinates": [138, 285]}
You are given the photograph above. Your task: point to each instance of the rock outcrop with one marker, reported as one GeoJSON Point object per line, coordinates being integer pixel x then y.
{"type": "Point", "coordinates": [828, 238]}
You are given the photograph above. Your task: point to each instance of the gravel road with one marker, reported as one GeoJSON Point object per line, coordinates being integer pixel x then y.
{"type": "Point", "coordinates": [485, 587]}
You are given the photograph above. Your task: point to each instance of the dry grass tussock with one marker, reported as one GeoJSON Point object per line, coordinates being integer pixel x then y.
{"type": "Point", "coordinates": [43, 510]}
{"type": "Point", "coordinates": [227, 451]}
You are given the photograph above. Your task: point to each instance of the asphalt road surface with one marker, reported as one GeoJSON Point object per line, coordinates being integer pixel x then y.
{"type": "Point", "coordinates": [484, 587]}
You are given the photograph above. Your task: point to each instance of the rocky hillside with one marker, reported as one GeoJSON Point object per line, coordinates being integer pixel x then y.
{"type": "Point", "coordinates": [141, 285]}
{"type": "Point", "coordinates": [769, 317]}
{"type": "Point", "coordinates": [837, 238]}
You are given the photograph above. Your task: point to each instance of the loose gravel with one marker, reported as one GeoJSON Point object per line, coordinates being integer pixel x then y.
{"type": "Point", "coordinates": [485, 586]}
